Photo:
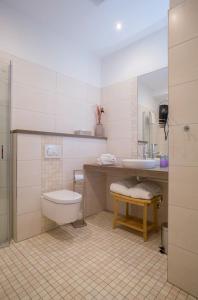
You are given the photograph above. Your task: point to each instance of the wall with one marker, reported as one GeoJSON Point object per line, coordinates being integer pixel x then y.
{"type": "Point", "coordinates": [183, 172]}
{"type": "Point", "coordinates": [139, 58]}
{"type": "Point", "coordinates": [43, 99]}
{"type": "Point", "coordinates": [46, 100]}
{"type": "Point", "coordinates": [120, 104]}
{"type": "Point", "coordinates": [31, 41]}
{"type": "Point", "coordinates": [119, 91]}
{"type": "Point", "coordinates": [36, 175]}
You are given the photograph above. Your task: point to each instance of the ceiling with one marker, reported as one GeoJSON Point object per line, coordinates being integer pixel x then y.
{"type": "Point", "coordinates": [91, 23]}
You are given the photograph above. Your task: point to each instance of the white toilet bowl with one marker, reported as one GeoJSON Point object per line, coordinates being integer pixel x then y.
{"type": "Point", "coordinates": [61, 206]}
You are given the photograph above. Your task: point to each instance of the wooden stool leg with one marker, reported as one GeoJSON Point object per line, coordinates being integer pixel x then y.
{"type": "Point", "coordinates": [145, 233]}
{"type": "Point", "coordinates": [155, 217]}
{"type": "Point", "coordinates": [116, 209]}
{"type": "Point", "coordinates": [127, 209]}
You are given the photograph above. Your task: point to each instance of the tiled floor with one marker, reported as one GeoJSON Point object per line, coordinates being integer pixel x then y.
{"type": "Point", "coordinates": [93, 262]}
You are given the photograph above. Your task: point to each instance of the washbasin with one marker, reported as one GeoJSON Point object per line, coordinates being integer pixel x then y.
{"type": "Point", "coordinates": [139, 163]}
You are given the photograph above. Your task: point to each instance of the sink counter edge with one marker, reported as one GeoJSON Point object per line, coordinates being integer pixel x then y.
{"type": "Point", "coordinates": [161, 173]}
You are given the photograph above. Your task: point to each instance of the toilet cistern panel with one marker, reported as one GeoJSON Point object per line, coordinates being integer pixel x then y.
{"type": "Point", "coordinates": [53, 151]}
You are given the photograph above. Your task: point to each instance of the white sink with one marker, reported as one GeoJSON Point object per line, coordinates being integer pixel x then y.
{"type": "Point", "coordinates": [139, 163]}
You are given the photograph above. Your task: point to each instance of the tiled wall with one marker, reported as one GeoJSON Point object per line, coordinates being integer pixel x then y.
{"type": "Point", "coordinates": [36, 174]}
{"type": "Point", "coordinates": [120, 104]}
{"type": "Point", "coordinates": [183, 94]}
{"type": "Point", "coordinates": [43, 99]}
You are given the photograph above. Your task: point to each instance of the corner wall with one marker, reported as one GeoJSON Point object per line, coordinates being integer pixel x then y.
{"type": "Point", "coordinates": [183, 145]}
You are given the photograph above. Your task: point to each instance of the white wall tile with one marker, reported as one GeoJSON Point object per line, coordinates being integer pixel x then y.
{"type": "Point", "coordinates": [4, 95]}
{"type": "Point", "coordinates": [28, 147]}
{"type": "Point", "coordinates": [119, 130]}
{"type": "Point", "coordinates": [120, 119]}
{"type": "Point", "coordinates": [121, 90]}
{"type": "Point", "coordinates": [4, 71]}
{"type": "Point", "coordinates": [72, 88]}
{"type": "Point", "coordinates": [34, 75]}
{"type": "Point", "coordinates": [183, 222]}
{"type": "Point", "coordinates": [26, 97]}
{"type": "Point", "coordinates": [184, 145]}
{"type": "Point", "coordinates": [183, 186]}
{"type": "Point", "coordinates": [4, 124]}
{"type": "Point", "coordinates": [28, 173]}
{"type": "Point", "coordinates": [180, 31]}
{"type": "Point", "coordinates": [188, 69]}
{"type": "Point", "coordinates": [29, 120]}
{"type": "Point", "coordinates": [69, 165]}
{"type": "Point", "coordinates": [64, 125]}
{"type": "Point", "coordinates": [28, 199]}
{"type": "Point", "coordinates": [118, 110]}
{"type": "Point", "coordinates": [183, 269]}
{"type": "Point", "coordinates": [81, 148]}
{"type": "Point", "coordinates": [65, 106]}
{"type": "Point", "coordinates": [120, 147]}
{"type": "Point", "coordinates": [28, 225]}
{"type": "Point", "coordinates": [183, 103]}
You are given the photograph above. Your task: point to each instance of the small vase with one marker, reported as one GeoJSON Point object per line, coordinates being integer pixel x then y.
{"type": "Point", "coordinates": [99, 130]}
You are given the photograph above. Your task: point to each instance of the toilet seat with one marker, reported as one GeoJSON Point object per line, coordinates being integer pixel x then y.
{"type": "Point", "coordinates": [63, 197]}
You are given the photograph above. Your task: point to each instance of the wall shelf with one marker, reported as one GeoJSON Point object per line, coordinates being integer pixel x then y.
{"type": "Point", "coordinates": [24, 131]}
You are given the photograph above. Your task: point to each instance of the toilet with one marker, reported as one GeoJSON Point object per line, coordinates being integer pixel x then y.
{"type": "Point", "coordinates": [61, 206]}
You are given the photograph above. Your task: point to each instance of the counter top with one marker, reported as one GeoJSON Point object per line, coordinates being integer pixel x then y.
{"type": "Point", "coordinates": [156, 173]}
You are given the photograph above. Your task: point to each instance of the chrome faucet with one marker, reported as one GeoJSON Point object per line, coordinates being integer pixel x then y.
{"type": "Point", "coordinates": [153, 151]}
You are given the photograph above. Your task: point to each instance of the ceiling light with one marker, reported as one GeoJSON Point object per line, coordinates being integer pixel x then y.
{"type": "Point", "coordinates": [119, 26]}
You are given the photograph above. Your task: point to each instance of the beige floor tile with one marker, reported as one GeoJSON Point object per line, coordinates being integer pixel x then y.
{"type": "Point", "coordinates": [93, 262]}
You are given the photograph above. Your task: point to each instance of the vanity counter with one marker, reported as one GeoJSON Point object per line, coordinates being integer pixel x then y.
{"type": "Point", "coordinates": [98, 179]}
{"type": "Point", "coordinates": [156, 173]}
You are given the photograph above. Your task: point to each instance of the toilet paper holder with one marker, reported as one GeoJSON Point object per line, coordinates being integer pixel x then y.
{"type": "Point", "coordinates": [78, 176]}
{"type": "Point", "coordinates": [78, 181]}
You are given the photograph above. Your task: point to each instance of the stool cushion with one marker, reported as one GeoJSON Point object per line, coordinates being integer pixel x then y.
{"type": "Point", "coordinates": [145, 190]}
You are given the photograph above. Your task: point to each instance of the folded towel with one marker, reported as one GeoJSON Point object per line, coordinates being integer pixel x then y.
{"type": "Point", "coordinates": [106, 159]}
{"type": "Point", "coordinates": [123, 186]}
{"type": "Point", "coordinates": [145, 190]}
{"type": "Point", "coordinates": [119, 189]}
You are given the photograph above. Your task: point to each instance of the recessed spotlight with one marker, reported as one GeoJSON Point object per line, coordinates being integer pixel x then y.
{"type": "Point", "coordinates": [119, 26]}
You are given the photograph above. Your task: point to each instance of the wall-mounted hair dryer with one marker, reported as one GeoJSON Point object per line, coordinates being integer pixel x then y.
{"type": "Point", "coordinates": [163, 118]}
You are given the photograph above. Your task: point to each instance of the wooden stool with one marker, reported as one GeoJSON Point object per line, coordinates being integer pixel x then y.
{"type": "Point", "coordinates": [141, 225]}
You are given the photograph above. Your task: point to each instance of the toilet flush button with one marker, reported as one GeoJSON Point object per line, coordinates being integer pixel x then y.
{"type": "Point", "coordinates": [53, 151]}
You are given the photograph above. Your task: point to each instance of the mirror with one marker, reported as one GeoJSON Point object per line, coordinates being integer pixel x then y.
{"type": "Point", "coordinates": [153, 114]}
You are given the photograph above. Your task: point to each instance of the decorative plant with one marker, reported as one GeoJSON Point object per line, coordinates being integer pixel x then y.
{"type": "Point", "coordinates": [99, 112]}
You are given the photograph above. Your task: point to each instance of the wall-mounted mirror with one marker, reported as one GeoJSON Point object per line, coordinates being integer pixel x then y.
{"type": "Point", "coordinates": [153, 113]}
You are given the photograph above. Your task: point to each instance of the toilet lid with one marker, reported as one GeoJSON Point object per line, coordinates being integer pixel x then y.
{"type": "Point", "coordinates": [63, 197]}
